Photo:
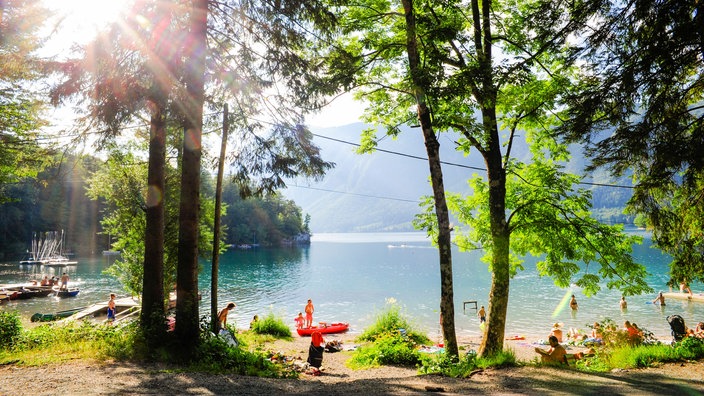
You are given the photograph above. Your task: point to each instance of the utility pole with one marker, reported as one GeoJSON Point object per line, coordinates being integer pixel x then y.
{"type": "Point", "coordinates": [216, 225]}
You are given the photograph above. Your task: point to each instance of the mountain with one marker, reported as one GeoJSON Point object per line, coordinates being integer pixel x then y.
{"type": "Point", "coordinates": [381, 191]}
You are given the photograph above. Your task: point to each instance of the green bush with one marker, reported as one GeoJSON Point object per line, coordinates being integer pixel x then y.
{"type": "Point", "coordinates": [387, 349]}
{"type": "Point", "coordinates": [393, 341]}
{"type": "Point", "coordinates": [690, 348]}
{"type": "Point", "coordinates": [272, 325]}
{"type": "Point", "coordinates": [392, 321]}
{"type": "Point", "coordinates": [10, 329]}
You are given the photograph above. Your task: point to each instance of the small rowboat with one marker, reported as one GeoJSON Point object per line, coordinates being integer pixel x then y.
{"type": "Point", "coordinates": [324, 328]}
{"type": "Point", "coordinates": [48, 317]}
{"type": "Point", "coordinates": [72, 292]}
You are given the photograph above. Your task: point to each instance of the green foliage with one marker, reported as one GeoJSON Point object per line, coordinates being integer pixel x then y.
{"type": "Point", "coordinates": [541, 200]}
{"type": "Point", "coordinates": [272, 325]}
{"type": "Point", "coordinates": [618, 352]}
{"type": "Point", "coordinates": [392, 341]}
{"type": "Point", "coordinates": [690, 348]}
{"type": "Point", "coordinates": [21, 155]}
{"type": "Point", "coordinates": [215, 355]}
{"type": "Point", "coordinates": [449, 366]}
{"type": "Point", "coordinates": [387, 349]}
{"type": "Point", "coordinates": [10, 328]}
{"type": "Point", "coordinates": [270, 220]}
{"type": "Point", "coordinates": [390, 321]}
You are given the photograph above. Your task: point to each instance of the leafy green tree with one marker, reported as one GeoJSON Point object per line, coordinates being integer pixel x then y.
{"type": "Point", "coordinates": [486, 70]}
{"type": "Point", "coordinates": [122, 184]}
{"type": "Point", "coordinates": [639, 107]}
{"type": "Point", "coordinates": [20, 106]}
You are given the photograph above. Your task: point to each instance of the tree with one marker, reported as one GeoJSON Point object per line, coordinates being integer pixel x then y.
{"type": "Point", "coordinates": [442, 56]}
{"type": "Point", "coordinates": [20, 107]}
{"type": "Point", "coordinates": [638, 107]}
{"type": "Point", "coordinates": [121, 182]}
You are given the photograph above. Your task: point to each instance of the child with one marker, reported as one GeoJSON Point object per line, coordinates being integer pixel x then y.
{"type": "Point", "coordinates": [300, 320]}
{"type": "Point", "coordinates": [254, 320]}
{"type": "Point", "coordinates": [111, 307]}
{"type": "Point", "coordinates": [309, 313]}
{"type": "Point", "coordinates": [482, 315]}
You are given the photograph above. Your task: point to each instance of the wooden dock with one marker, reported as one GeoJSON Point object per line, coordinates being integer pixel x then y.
{"type": "Point", "coordinates": [101, 309]}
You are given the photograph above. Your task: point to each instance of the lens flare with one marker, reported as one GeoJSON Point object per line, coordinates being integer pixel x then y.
{"type": "Point", "coordinates": [563, 303]}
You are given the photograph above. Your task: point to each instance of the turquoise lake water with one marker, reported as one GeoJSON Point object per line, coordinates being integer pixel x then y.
{"type": "Point", "coordinates": [351, 277]}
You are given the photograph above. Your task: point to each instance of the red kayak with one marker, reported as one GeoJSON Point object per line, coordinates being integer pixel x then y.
{"type": "Point", "coordinates": [324, 328]}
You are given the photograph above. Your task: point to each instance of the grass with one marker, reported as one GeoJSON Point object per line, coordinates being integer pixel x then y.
{"type": "Point", "coordinates": [53, 344]}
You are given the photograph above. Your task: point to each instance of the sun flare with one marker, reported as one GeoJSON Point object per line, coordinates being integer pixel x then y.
{"type": "Point", "coordinates": [78, 21]}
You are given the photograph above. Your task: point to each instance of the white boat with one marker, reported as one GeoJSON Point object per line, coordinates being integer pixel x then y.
{"type": "Point", "coordinates": [48, 249]}
{"type": "Point", "coordinates": [695, 297]}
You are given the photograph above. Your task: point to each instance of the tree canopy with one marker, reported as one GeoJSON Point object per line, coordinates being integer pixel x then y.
{"type": "Point", "coordinates": [638, 109]}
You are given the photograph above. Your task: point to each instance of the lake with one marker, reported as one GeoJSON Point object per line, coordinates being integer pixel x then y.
{"type": "Point", "coordinates": [351, 277]}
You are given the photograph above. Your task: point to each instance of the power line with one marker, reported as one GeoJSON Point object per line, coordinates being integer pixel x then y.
{"type": "Point", "coordinates": [357, 194]}
{"type": "Point", "coordinates": [453, 163]}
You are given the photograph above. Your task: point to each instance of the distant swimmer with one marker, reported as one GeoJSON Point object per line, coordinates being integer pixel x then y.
{"type": "Point", "coordinates": [623, 303]}
{"type": "Point", "coordinates": [660, 299]}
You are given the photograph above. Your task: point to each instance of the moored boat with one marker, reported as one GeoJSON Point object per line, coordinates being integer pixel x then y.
{"type": "Point", "coordinates": [70, 292]}
{"type": "Point", "coordinates": [695, 297]}
{"type": "Point", "coordinates": [325, 328]}
{"type": "Point", "coordinates": [26, 293]}
{"type": "Point", "coordinates": [48, 317]}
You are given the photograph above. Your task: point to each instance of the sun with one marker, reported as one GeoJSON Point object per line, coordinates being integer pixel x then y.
{"type": "Point", "coordinates": [77, 21]}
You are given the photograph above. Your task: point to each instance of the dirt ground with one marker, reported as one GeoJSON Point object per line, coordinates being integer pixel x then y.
{"type": "Point", "coordinates": [120, 378]}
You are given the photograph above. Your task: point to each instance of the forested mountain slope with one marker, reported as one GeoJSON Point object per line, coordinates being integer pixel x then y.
{"type": "Point", "coordinates": [381, 191]}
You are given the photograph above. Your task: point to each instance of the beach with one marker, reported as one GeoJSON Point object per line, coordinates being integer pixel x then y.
{"type": "Point", "coordinates": [129, 378]}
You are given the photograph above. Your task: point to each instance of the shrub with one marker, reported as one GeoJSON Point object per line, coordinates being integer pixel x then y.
{"type": "Point", "coordinates": [393, 341]}
{"type": "Point", "coordinates": [443, 364]}
{"type": "Point", "coordinates": [387, 349]}
{"type": "Point", "coordinates": [272, 325]}
{"type": "Point", "coordinates": [10, 329]}
{"type": "Point", "coordinates": [392, 321]}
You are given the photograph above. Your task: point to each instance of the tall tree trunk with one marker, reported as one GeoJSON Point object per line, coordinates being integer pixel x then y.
{"type": "Point", "coordinates": [216, 226]}
{"type": "Point", "coordinates": [153, 313]}
{"type": "Point", "coordinates": [493, 340]}
{"type": "Point", "coordinates": [447, 303]}
{"type": "Point", "coordinates": [187, 274]}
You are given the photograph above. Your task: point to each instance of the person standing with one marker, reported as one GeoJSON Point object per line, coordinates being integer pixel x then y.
{"type": "Point", "coordinates": [623, 303]}
{"type": "Point", "coordinates": [111, 308]}
{"type": "Point", "coordinates": [64, 281]}
{"type": "Point", "coordinates": [573, 303]}
{"type": "Point", "coordinates": [309, 313]}
{"type": "Point", "coordinates": [222, 315]}
{"type": "Point", "coordinates": [482, 315]}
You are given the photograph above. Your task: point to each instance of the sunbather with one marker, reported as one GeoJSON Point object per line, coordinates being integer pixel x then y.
{"type": "Point", "coordinates": [556, 353]}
